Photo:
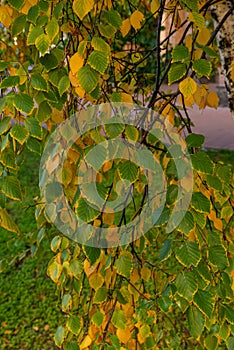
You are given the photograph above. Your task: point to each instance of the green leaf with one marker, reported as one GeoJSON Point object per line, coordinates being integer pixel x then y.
{"type": "Point", "coordinates": [7, 222]}
{"type": "Point", "coordinates": [211, 342]}
{"type": "Point", "coordinates": [230, 343]}
{"type": "Point", "coordinates": [195, 321]}
{"type": "Point", "coordinates": [99, 61]}
{"type": "Point", "coordinates": [229, 314]}
{"type": "Point", "coordinates": [202, 162]}
{"type": "Point", "coordinates": [164, 303]}
{"type": "Point", "coordinates": [33, 14]}
{"type": "Point", "coordinates": [33, 127]}
{"type": "Point", "coordinates": [115, 129]}
{"type": "Point", "coordinates": [49, 61]}
{"type": "Point", "coordinates": [73, 344]}
{"type": "Point", "coordinates": [34, 145]}
{"type": "Point", "coordinates": [73, 324]}
{"type": "Point", "coordinates": [165, 251]}
{"type": "Point", "coordinates": [180, 53]}
{"type": "Point", "coordinates": [119, 319]}
{"type": "Point", "coordinates": [128, 170]}
{"type": "Point", "coordinates": [210, 52]}
{"type": "Point", "coordinates": [192, 5]}
{"type": "Point", "coordinates": [224, 173]}
{"type": "Point", "coordinates": [198, 19]}
{"type": "Point", "coordinates": [195, 140]}
{"type": "Point", "coordinates": [100, 45]}
{"type": "Point", "coordinates": [124, 264]}
{"type": "Point", "coordinates": [11, 81]}
{"type": "Point", "coordinates": [100, 295]}
{"type": "Point", "coordinates": [204, 301]}
{"type": "Point", "coordinates": [82, 7]}
{"type": "Point", "coordinates": [200, 202]}
{"type": "Point", "coordinates": [18, 25]}
{"type": "Point", "coordinates": [92, 253]}
{"type": "Point", "coordinates": [107, 30]}
{"type": "Point", "coordinates": [3, 65]}
{"type": "Point", "coordinates": [5, 125]}
{"type": "Point", "coordinates": [188, 254]}
{"type": "Point", "coordinates": [113, 17]}
{"type": "Point", "coordinates": [52, 29]}
{"type": "Point", "coordinates": [10, 186]}
{"type": "Point", "coordinates": [17, 4]}
{"type": "Point", "coordinates": [38, 82]}
{"type": "Point", "coordinates": [19, 133]}
{"type": "Point", "coordinates": [60, 336]}
{"type": "Point", "coordinates": [214, 182]}
{"type": "Point", "coordinates": [98, 318]}
{"type": "Point", "coordinates": [63, 85]}
{"type": "Point", "coordinates": [87, 78]}
{"type": "Point", "coordinates": [42, 43]}
{"type": "Point", "coordinates": [176, 72]}
{"type": "Point", "coordinates": [186, 285]}
{"type": "Point", "coordinates": [24, 103]}
{"type": "Point", "coordinates": [218, 256]}
{"type": "Point", "coordinates": [34, 33]}
{"type": "Point", "coordinates": [7, 158]}
{"type": "Point", "coordinates": [86, 212]}
{"type": "Point", "coordinates": [202, 67]}
{"type": "Point", "coordinates": [44, 111]}
{"type": "Point", "coordinates": [187, 223]}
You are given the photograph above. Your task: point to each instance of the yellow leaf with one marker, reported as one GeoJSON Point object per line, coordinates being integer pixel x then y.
{"type": "Point", "coordinates": [125, 27]}
{"type": "Point", "coordinates": [212, 100]}
{"type": "Point", "coordinates": [126, 97]}
{"type": "Point", "coordinates": [203, 36]}
{"type": "Point", "coordinates": [218, 224]}
{"type": "Point", "coordinates": [80, 92]}
{"type": "Point", "coordinates": [189, 42]}
{"type": "Point", "coordinates": [86, 342]}
{"type": "Point", "coordinates": [82, 7]}
{"type": "Point", "coordinates": [136, 18]}
{"type": "Point", "coordinates": [73, 79]}
{"type": "Point", "coordinates": [188, 87]}
{"type": "Point", "coordinates": [200, 96]}
{"type": "Point", "coordinates": [123, 335]}
{"type": "Point", "coordinates": [27, 5]}
{"type": "Point", "coordinates": [76, 62]}
{"type": "Point", "coordinates": [108, 218]}
{"type": "Point", "coordinates": [232, 70]}
{"type": "Point", "coordinates": [6, 15]}
{"type": "Point", "coordinates": [197, 54]}
{"type": "Point", "coordinates": [145, 273]}
{"type": "Point", "coordinates": [154, 7]}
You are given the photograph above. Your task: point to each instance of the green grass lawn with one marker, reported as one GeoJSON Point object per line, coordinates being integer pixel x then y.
{"type": "Point", "coordinates": [29, 312]}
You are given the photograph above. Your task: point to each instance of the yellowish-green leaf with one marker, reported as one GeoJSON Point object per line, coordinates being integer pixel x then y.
{"type": "Point", "coordinates": [188, 87]}
{"type": "Point", "coordinates": [42, 43]}
{"type": "Point", "coordinates": [87, 78]}
{"type": "Point", "coordinates": [119, 319]}
{"type": "Point", "coordinates": [7, 222]}
{"type": "Point", "coordinates": [82, 7]}
{"type": "Point", "coordinates": [10, 186]}
{"type": "Point", "coordinates": [52, 29]}
{"type": "Point", "coordinates": [96, 281]}
{"type": "Point", "coordinates": [99, 61]}
{"type": "Point", "coordinates": [124, 264]}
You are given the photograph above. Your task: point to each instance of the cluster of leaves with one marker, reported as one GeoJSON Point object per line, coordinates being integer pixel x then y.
{"type": "Point", "coordinates": [164, 290]}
